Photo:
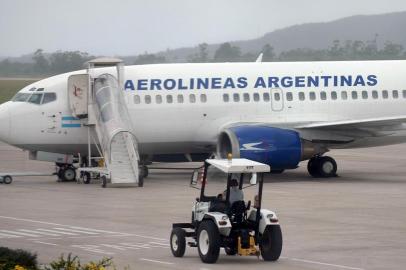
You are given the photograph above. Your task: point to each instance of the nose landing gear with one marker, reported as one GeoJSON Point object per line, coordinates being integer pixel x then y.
{"type": "Point", "coordinates": [322, 166]}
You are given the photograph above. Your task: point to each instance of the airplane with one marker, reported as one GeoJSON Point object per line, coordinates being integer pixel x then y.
{"type": "Point", "coordinates": [275, 113]}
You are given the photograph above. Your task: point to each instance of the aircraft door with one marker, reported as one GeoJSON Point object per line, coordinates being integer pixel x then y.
{"type": "Point", "coordinates": [277, 99]}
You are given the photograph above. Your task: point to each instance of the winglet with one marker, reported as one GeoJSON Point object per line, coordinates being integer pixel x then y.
{"type": "Point", "coordinates": [259, 59]}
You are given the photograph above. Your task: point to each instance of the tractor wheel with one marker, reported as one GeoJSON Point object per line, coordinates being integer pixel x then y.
{"type": "Point", "coordinates": [7, 179]}
{"type": "Point", "coordinates": [178, 242]}
{"type": "Point", "coordinates": [86, 178]}
{"type": "Point", "coordinates": [68, 174]}
{"type": "Point", "coordinates": [271, 243]}
{"type": "Point", "coordinates": [208, 241]}
{"type": "Point", "coordinates": [103, 181]}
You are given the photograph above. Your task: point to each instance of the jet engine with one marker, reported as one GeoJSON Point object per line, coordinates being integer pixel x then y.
{"type": "Point", "coordinates": [279, 148]}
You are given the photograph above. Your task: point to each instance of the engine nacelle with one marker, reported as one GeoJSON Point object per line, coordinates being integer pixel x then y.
{"type": "Point", "coordinates": [280, 148]}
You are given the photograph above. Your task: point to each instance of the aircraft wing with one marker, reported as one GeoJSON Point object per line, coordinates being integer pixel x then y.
{"type": "Point", "coordinates": [346, 131]}
{"type": "Point", "coordinates": [371, 123]}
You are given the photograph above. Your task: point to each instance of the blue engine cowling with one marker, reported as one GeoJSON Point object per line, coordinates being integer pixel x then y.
{"type": "Point", "coordinates": [279, 148]}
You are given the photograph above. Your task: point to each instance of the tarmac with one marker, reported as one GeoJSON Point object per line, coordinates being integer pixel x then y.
{"type": "Point", "coordinates": [355, 221]}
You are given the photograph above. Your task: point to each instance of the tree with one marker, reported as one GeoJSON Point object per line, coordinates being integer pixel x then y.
{"type": "Point", "coordinates": [147, 58]}
{"type": "Point", "coordinates": [268, 53]}
{"type": "Point", "coordinates": [41, 64]}
{"type": "Point", "coordinates": [202, 55]}
{"type": "Point", "coordinates": [227, 53]}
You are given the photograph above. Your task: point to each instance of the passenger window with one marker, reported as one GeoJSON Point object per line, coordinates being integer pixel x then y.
{"type": "Point", "coordinates": [266, 97]}
{"type": "Point", "coordinates": [301, 96]}
{"type": "Point", "coordinates": [374, 94]}
{"type": "Point", "coordinates": [354, 95]}
{"type": "Point", "coordinates": [226, 98]}
{"type": "Point", "coordinates": [137, 99]}
{"type": "Point", "coordinates": [312, 95]}
{"type": "Point", "coordinates": [364, 95]}
{"type": "Point", "coordinates": [404, 93]}
{"type": "Point", "coordinates": [48, 97]}
{"type": "Point", "coordinates": [344, 95]}
{"type": "Point", "coordinates": [203, 98]}
{"type": "Point", "coordinates": [169, 99]}
{"type": "Point", "coordinates": [192, 98]}
{"type": "Point", "coordinates": [395, 94]}
{"type": "Point", "coordinates": [385, 94]}
{"type": "Point", "coordinates": [158, 99]}
{"type": "Point", "coordinates": [323, 95]}
{"type": "Point", "coordinates": [147, 99]}
{"type": "Point", "coordinates": [256, 97]}
{"type": "Point", "coordinates": [180, 98]}
{"type": "Point", "coordinates": [236, 97]}
{"type": "Point", "coordinates": [35, 98]}
{"type": "Point", "coordinates": [246, 97]}
{"type": "Point", "coordinates": [289, 96]}
{"type": "Point", "coordinates": [276, 96]}
{"type": "Point", "coordinates": [334, 95]}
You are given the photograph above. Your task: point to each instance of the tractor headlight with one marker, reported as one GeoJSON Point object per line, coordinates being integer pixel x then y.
{"type": "Point", "coordinates": [224, 217]}
{"type": "Point", "coordinates": [272, 218]}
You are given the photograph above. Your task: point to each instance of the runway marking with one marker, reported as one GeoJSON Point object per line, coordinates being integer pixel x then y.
{"type": "Point", "coordinates": [2, 235]}
{"type": "Point", "coordinates": [39, 232]}
{"type": "Point", "coordinates": [46, 243]}
{"type": "Point", "coordinates": [160, 244]}
{"type": "Point", "coordinates": [87, 229]}
{"type": "Point", "coordinates": [92, 248]}
{"type": "Point", "coordinates": [19, 233]}
{"type": "Point", "coordinates": [57, 232]}
{"type": "Point", "coordinates": [31, 220]}
{"type": "Point", "coordinates": [74, 231]}
{"type": "Point", "coordinates": [322, 263]}
{"type": "Point", "coordinates": [154, 261]}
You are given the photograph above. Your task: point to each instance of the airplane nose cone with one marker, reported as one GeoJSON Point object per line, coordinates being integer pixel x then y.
{"type": "Point", "coordinates": [4, 123]}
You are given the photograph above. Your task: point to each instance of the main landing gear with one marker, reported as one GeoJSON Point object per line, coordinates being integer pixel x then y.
{"type": "Point", "coordinates": [322, 166]}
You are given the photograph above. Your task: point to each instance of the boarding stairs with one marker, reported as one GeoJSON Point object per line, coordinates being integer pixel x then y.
{"type": "Point", "coordinates": [108, 118]}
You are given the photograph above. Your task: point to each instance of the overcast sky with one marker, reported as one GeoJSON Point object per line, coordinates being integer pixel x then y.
{"type": "Point", "coordinates": [129, 27]}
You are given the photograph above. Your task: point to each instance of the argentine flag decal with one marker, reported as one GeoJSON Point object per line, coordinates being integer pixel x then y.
{"type": "Point", "coordinates": [70, 122]}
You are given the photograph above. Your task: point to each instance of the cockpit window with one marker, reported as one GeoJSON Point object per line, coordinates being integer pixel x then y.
{"type": "Point", "coordinates": [40, 89]}
{"type": "Point", "coordinates": [35, 98]}
{"type": "Point", "coordinates": [49, 97]}
{"type": "Point", "coordinates": [32, 89]}
{"type": "Point", "coordinates": [21, 97]}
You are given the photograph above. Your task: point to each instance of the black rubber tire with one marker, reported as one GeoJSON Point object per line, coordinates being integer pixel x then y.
{"type": "Point", "coordinates": [7, 179]}
{"type": "Point", "coordinates": [213, 241]}
{"type": "Point", "coordinates": [140, 181]}
{"type": "Point", "coordinates": [271, 243]}
{"type": "Point", "coordinates": [86, 178]}
{"type": "Point", "coordinates": [179, 249]}
{"type": "Point", "coordinates": [145, 171]}
{"type": "Point", "coordinates": [103, 179]}
{"type": "Point", "coordinates": [312, 167]}
{"type": "Point", "coordinates": [230, 251]}
{"type": "Point", "coordinates": [68, 174]}
{"type": "Point", "coordinates": [320, 167]}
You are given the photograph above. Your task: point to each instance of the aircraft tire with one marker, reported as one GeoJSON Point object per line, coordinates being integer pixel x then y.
{"type": "Point", "coordinates": [312, 167]}
{"type": "Point", "coordinates": [327, 167]}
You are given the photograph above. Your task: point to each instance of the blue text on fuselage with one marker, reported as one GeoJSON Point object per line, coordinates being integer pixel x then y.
{"type": "Point", "coordinates": [258, 83]}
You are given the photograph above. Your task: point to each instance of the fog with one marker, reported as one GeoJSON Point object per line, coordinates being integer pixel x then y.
{"type": "Point", "coordinates": [129, 27]}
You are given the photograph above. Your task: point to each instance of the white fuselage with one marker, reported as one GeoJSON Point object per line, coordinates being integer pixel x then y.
{"type": "Point", "coordinates": [182, 108]}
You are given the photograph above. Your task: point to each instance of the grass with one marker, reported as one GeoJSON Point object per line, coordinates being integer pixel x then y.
{"type": "Point", "coordinates": [8, 87]}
